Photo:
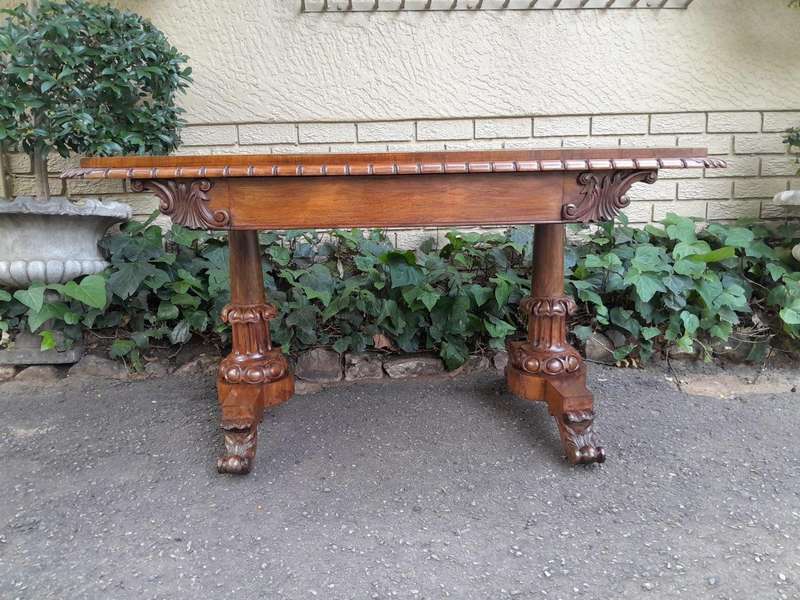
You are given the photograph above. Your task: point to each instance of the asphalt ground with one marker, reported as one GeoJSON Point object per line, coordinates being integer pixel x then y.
{"type": "Point", "coordinates": [439, 488]}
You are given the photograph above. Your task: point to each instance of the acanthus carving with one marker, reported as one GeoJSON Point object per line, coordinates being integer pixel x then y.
{"type": "Point", "coordinates": [548, 307]}
{"type": "Point", "coordinates": [248, 313]}
{"type": "Point", "coordinates": [580, 440]}
{"type": "Point", "coordinates": [253, 360]}
{"type": "Point", "coordinates": [546, 351]}
{"type": "Point", "coordinates": [185, 202]}
{"type": "Point", "coordinates": [602, 196]}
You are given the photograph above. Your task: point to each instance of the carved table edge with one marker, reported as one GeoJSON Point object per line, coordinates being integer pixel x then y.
{"type": "Point", "coordinates": [334, 169]}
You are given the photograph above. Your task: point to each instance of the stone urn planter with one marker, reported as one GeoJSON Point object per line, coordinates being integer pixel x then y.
{"type": "Point", "coordinates": [790, 200]}
{"type": "Point", "coordinates": [53, 241]}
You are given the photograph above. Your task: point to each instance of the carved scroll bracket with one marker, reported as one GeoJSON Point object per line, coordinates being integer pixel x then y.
{"type": "Point", "coordinates": [602, 195]}
{"type": "Point", "coordinates": [185, 202]}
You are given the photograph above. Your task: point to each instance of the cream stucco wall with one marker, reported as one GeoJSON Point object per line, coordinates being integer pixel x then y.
{"type": "Point", "coordinates": [269, 78]}
{"type": "Point", "coordinates": [264, 60]}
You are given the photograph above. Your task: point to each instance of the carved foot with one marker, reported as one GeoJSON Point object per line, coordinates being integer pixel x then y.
{"type": "Point", "coordinates": [580, 441]}
{"type": "Point", "coordinates": [240, 450]}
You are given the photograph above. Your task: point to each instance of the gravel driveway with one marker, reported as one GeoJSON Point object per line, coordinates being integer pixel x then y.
{"type": "Point", "coordinates": [446, 488]}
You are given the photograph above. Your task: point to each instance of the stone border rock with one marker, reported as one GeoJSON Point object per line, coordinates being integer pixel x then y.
{"type": "Point", "coordinates": [315, 369]}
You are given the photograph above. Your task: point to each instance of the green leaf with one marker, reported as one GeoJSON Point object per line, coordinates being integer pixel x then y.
{"type": "Point", "coordinates": [167, 311]}
{"type": "Point", "coordinates": [502, 290]}
{"type": "Point", "coordinates": [454, 353]}
{"type": "Point", "coordinates": [121, 348]}
{"type": "Point", "coordinates": [341, 345]}
{"type": "Point", "coordinates": [648, 258]}
{"type": "Point", "coordinates": [679, 228]}
{"type": "Point", "coordinates": [5, 296]}
{"type": "Point", "coordinates": [71, 318]}
{"type": "Point", "coordinates": [582, 332]}
{"type": "Point", "coordinates": [48, 341]}
{"type": "Point", "coordinates": [718, 255]}
{"type": "Point", "coordinates": [648, 333]}
{"type": "Point", "coordinates": [647, 285]}
{"type": "Point", "coordinates": [739, 237]}
{"type": "Point", "coordinates": [37, 318]}
{"type": "Point", "coordinates": [181, 333]}
{"type": "Point", "coordinates": [622, 352]}
{"type": "Point", "coordinates": [128, 277]}
{"type": "Point", "coordinates": [790, 316]}
{"type": "Point", "coordinates": [406, 256]}
{"type": "Point", "coordinates": [33, 297]}
{"type": "Point", "coordinates": [690, 266]}
{"type": "Point", "coordinates": [185, 300]}
{"type": "Point", "coordinates": [480, 293]}
{"type": "Point", "coordinates": [429, 298]}
{"type": "Point", "coordinates": [402, 268]}
{"type": "Point", "coordinates": [185, 237]}
{"type": "Point", "coordinates": [91, 291]}
{"type": "Point", "coordinates": [655, 231]}
{"type": "Point", "coordinates": [686, 249]}
{"type": "Point", "coordinates": [280, 255]}
{"type": "Point", "coordinates": [690, 322]}
{"type": "Point", "coordinates": [721, 331]}
{"type": "Point", "coordinates": [317, 283]}
{"type": "Point", "coordinates": [776, 271]}
{"type": "Point", "coordinates": [197, 320]}
{"type": "Point", "coordinates": [497, 328]}
{"type": "Point", "coordinates": [365, 263]}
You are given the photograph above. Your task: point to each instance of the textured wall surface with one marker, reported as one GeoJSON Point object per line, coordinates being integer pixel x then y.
{"type": "Point", "coordinates": [270, 78]}
{"type": "Point", "coordinates": [751, 142]}
{"type": "Point", "coordinates": [368, 5]}
{"type": "Point", "coordinates": [264, 60]}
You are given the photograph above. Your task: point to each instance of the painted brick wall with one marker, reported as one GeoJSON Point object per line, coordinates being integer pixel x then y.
{"type": "Point", "coordinates": [751, 141]}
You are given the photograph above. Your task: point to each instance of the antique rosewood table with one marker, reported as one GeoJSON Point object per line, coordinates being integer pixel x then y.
{"type": "Point", "coordinates": [243, 194]}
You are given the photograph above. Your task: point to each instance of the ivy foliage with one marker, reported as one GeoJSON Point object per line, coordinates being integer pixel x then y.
{"type": "Point", "coordinates": [793, 139]}
{"type": "Point", "coordinates": [88, 78]}
{"type": "Point", "coordinates": [664, 286]}
{"type": "Point", "coordinates": [669, 285]}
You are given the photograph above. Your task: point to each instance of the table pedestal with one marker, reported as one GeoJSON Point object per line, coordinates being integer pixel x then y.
{"type": "Point", "coordinates": [255, 375]}
{"type": "Point", "coordinates": [545, 367]}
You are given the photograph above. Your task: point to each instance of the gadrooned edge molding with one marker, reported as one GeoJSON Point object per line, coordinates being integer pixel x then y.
{"type": "Point", "coordinates": [322, 168]}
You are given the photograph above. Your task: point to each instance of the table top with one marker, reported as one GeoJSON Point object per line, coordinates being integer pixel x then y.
{"type": "Point", "coordinates": [403, 163]}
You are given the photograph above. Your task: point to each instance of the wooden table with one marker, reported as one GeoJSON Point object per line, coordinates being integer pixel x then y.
{"type": "Point", "coordinates": [243, 194]}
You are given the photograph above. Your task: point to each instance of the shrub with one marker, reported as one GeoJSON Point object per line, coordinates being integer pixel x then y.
{"type": "Point", "coordinates": [87, 78]}
{"type": "Point", "coordinates": [665, 286]}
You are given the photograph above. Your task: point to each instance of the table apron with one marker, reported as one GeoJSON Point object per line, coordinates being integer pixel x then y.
{"type": "Point", "coordinates": [389, 201]}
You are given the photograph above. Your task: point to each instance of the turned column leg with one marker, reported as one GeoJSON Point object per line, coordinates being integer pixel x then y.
{"type": "Point", "coordinates": [255, 374]}
{"type": "Point", "coordinates": [545, 367]}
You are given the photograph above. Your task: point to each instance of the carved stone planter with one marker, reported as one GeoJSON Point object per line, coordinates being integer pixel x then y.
{"type": "Point", "coordinates": [790, 200]}
{"type": "Point", "coordinates": [53, 241]}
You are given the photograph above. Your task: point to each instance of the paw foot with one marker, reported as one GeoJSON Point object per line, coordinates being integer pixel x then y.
{"type": "Point", "coordinates": [240, 450]}
{"type": "Point", "coordinates": [580, 441]}
{"type": "Point", "coordinates": [235, 465]}
{"type": "Point", "coordinates": [587, 455]}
